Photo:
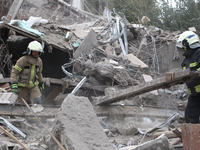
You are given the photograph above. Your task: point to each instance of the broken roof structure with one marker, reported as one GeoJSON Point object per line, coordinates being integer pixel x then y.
{"type": "Point", "coordinates": [90, 61]}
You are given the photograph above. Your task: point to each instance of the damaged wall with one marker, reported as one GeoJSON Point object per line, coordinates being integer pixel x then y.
{"type": "Point", "coordinates": [169, 57]}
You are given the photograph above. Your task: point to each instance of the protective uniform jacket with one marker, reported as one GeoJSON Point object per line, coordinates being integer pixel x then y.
{"type": "Point", "coordinates": [27, 71]}
{"type": "Point", "coordinates": [192, 61]}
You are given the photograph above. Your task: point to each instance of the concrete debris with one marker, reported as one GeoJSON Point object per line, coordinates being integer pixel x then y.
{"type": "Point", "coordinates": [168, 134]}
{"type": "Point", "coordinates": [129, 129]}
{"type": "Point", "coordinates": [178, 77]}
{"type": "Point", "coordinates": [3, 146]}
{"type": "Point", "coordinates": [99, 60]}
{"type": "Point", "coordinates": [37, 108]}
{"type": "Point", "coordinates": [172, 118]}
{"type": "Point", "coordinates": [161, 142]}
{"type": "Point", "coordinates": [8, 98]}
{"type": "Point", "coordinates": [77, 126]}
{"type": "Point", "coordinates": [12, 127]}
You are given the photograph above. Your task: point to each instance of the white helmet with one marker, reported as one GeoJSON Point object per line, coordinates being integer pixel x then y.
{"type": "Point", "coordinates": [188, 38]}
{"type": "Point", "coordinates": [34, 46]}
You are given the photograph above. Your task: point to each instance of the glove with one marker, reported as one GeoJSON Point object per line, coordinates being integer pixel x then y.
{"type": "Point", "coordinates": [41, 87]}
{"type": "Point", "coordinates": [14, 87]}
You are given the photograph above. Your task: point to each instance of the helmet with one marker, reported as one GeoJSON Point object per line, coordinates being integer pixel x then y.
{"type": "Point", "coordinates": [188, 38]}
{"type": "Point", "coordinates": [34, 46]}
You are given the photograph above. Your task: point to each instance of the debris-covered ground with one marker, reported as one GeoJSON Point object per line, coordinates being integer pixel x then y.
{"type": "Point", "coordinates": [93, 58]}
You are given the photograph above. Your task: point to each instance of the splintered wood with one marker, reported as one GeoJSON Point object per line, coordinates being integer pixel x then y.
{"type": "Point", "coordinates": [178, 77]}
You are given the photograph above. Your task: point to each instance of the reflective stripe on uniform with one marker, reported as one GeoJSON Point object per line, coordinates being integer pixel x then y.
{"type": "Point", "coordinates": [40, 69]}
{"type": "Point", "coordinates": [197, 88]}
{"type": "Point", "coordinates": [193, 64]}
{"type": "Point", "coordinates": [25, 85]}
{"type": "Point", "coordinates": [31, 84]}
{"type": "Point", "coordinates": [18, 68]}
{"type": "Point", "coordinates": [32, 76]}
{"type": "Point", "coordinates": [184, 68]}
{"type": "Point", "coordinates": [14, 86]}
{"type": "Point", "coordinates": [22, 85]}
{"type": "Point", "coordinates": [189, 91]}
{"type": "Point", "coordinates": [198, 69]}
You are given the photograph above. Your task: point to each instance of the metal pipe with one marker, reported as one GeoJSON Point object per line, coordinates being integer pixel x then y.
{"type": "Point", "coordinates": [120, 39]}
{"type": "Point", "coordinates": [125, 37]}
{"type": "Point", "coordinates": [13, 128]}
{"type": "Point", "coordinates": [65, 66]}
{"type": "Point", "coordinates": [79, 85]}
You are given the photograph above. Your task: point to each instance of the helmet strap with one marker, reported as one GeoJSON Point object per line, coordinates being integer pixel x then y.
{"type": "Point", "coordinates": [185, 43]}
{"type": "Point", "coordinates": [28, 51]}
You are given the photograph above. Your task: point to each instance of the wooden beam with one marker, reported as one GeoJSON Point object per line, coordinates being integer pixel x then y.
{"type": "Point", "coordinates": [55, 81]}
{"type": "Point", "coordinates": [53, 95]}
{"type": "Point", "coordinates": [16, 110]}
{"type": "Point", "coordinates": [54, 138]}
{"type": "Point", "coordinates": [13, 10]}
{"type": "Point", "coordinates": [2, 9]}
{"type": "Point", "coordinates": [13, 137]}
{"type": "Point", "coordinates": [164, 82]}
{"type": "Point", "coordinates": [177, 132]}
{"type": "Point", "coordinates": [4, 80]}
{"type": "Point", "coordinates": [35, 37]}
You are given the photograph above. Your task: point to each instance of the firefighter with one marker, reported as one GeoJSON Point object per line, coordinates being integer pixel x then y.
{"type": "Point", "coordinates": [26, 75]}
{"type": "Point", "coordinates": [189, 41]}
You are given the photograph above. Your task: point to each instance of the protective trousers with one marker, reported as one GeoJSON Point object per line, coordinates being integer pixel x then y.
{"type": "Point", "coordinates": [192, 111]}
{"type": "Point", "coordinates": [25, 93]}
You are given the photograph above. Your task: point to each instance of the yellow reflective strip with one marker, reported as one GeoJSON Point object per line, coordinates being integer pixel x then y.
{"type": "Point", "coordinates": [184, 68]}
{"type": "Point", "coordinates": [36, 83]}
{"type": "Point", "coordinates": [197, 88]}
{"type": "Point", "coordinates": [40, 69]}
{"type": "Point", "coordinates": [32, 76]}
{"type": "Point", "coordinates": [189, 91]}
{"type": "Point", "coordinates": [198, 69]}
{"type": "Point", "coordinates": [22, 85]}
{"type": "Point", "coordinates": [193, 64]}
{"type": "Point", "coordinates": [18, 68]}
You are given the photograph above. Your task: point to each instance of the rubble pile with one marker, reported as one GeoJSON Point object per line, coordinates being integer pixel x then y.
{"type": "Point", "coordinates": [106, 62]}
{"type": "Point", "coordinates": [89, 59]}
{"type": "Point", "coordinates": [107, 54]}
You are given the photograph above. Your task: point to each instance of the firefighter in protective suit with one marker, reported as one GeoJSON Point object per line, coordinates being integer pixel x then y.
{"type": "Point", "coordinates": [189, 41]}
{"type": "Point", "coordinates": [26, 75]}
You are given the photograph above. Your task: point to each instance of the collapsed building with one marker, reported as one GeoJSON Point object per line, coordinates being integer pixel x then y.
{"type": "Point", "coordinates": [106, 81]}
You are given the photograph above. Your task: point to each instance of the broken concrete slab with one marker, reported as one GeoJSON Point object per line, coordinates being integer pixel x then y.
{"type": "Point", "coordinates": [87, 45]}
{"type": "Point", "coordinates": [77, 127]}
{"type": "Point", "coordinates": [161, 142]}
{"type": "Point", "coordinates": [135, 61]}
{"type": "Point", "coordinates": [110, 50]}
{"type": "Point", "coordinates": [148, 78]}
{"type": "Point", "coordinates": [8, 98]}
